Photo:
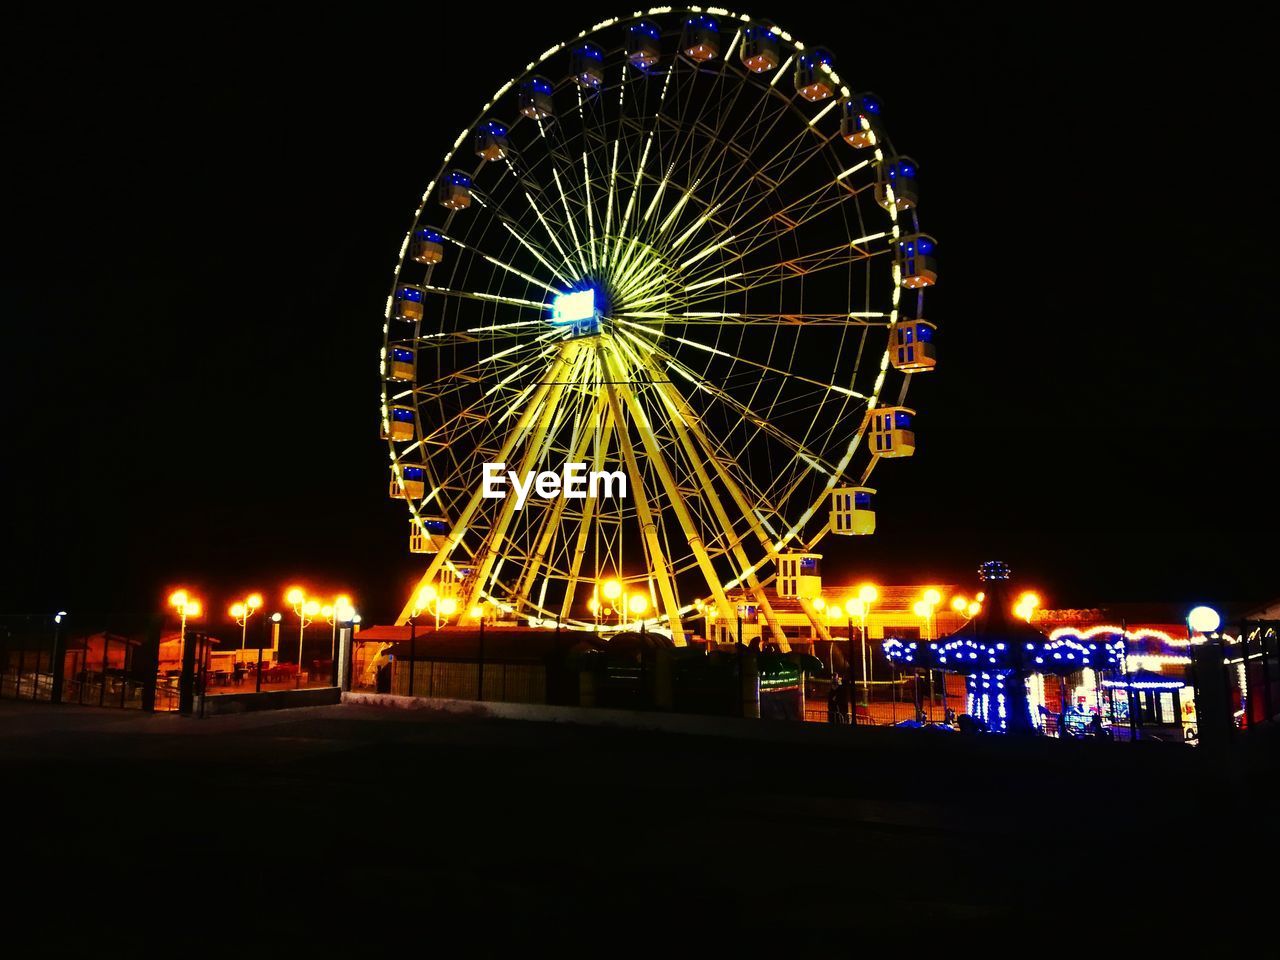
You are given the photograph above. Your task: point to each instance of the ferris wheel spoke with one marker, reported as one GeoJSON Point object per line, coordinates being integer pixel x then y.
{"type": "Point", "coordinates": [658, 566]}
{"type": "Point", "coordinates": [675, 496]}
{"type": "Point", "coordinates": [486, 333]}
{"type": "Point", "coordinates": [791, 159]}
{"type": "Point", "coordinates": [767, 368]}
{"type": "Point", "coordinates": [759, 278]}
{"type": "Point", "coordinates": [718, 451]}
{"type": "Point", "coordinates": [517, 432]}
{"type": "Point", "coordinates": [534, 451]}
{"type": "Point", "coordinates": [499, 263]}
{"type": "Point", "coordinates": [737, 406]}
{"type": "Point", "coordinates": [487, 297]}
{"type": "Point", "coordinates": [551, 523]}
{"type": "Point", "coordinates": [639, 171]}
{"type": "Point", "coordinates": [717, 319]}
{"type": "Point", "coordinates": [600, 438]}
{"type": "Point", "coordinates": [790, 218]}
{"type": "Point", "coordinates": [521, 237]}
{"type": "Point", "coordinates": [687, 426]}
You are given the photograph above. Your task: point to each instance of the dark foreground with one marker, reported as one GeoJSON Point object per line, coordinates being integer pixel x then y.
{"type": "Point", "coordinates": [354, 824]}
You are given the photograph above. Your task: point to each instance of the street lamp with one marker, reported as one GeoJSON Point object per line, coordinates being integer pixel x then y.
{"type": "Point", "coordinates": [1026, 605]}
{"type": "Point", "coordinates": [860, 607]}
{"type": "Point", "coordinates": [187, 606]}
{"type": "Point", "coordinates": [638, 603]}
{"type": "Point", "coordinates": [925, 608]}
{"type": "Point", "coordinates": [242, 610]}
{"type": "Point", "coordinates": [429, 599]}
{"type": "Point", "coordinates": [1203, 620]}
{"type": "Point", "coordinates": [305, 610]}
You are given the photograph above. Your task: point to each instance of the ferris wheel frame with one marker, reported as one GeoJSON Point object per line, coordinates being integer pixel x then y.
{"type": "Point", "coordinates": [614, 365]}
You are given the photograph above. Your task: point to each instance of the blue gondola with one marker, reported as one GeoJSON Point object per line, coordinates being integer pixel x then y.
{"type": "Point", "coordinates": [534, 98]}
{"type": "Point", "coordinates": [428, 534]}
{"type": "Point", "coordinates": [642, 44]}
{"type": "Point", "coordinates": [852, 512]}
{"type": "Point", "coordinates": [896, 184]}
{"type": "Point", "coordinates": [410, 484]}
{"type": "Point", "coordinates": [491, 140]}
{"type": "Point", "coordinates": [588, 66]}
{"type": "Point", "coordinates": [455, 190]}
{"type": "Point", "coordinates": [813, 74]}
{"type": "Point", "coordinates": [917, 261]}
{"type": "Point", "coordinates": [913, 348]}
{"type": "Point", "coordinates": [400, 424]}
{"type": "Point", "coordinates": [401, 365]}
{"type": "Point", "coordinates": [408, 302]}
{"type": "Point", "coordinates": [427, 245]}
{"type": "Point", "coordinates": [892, 433]}
{"type": "Point", "coordinates": [860, 120]}
{"type": "Point", "coordinates": [700, 39]}
{"type": "Point", "coordinates": [760, 49]}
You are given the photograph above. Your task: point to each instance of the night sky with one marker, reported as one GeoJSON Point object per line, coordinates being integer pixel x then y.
{"type": "Point", "coordinates": [203, 222]}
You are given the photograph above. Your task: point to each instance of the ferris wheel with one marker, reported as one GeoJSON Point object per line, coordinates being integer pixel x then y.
{"type": "Point", "coordinates": [678, 247]}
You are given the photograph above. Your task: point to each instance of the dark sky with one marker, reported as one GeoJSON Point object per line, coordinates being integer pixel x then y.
{"type": "Point", "coordinates": [203, 221]}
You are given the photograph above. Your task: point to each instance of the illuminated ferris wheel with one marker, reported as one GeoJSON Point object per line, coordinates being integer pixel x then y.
{"type": "Point", "coordinates": [677, 247]}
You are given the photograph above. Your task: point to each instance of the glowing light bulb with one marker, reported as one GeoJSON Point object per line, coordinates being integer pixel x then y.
{"type": "Point", "coordinates": [254, 601]}
{"type": "Point", "coordinates": [238, 610]}
{"type": "Point", "coordinates": [638, 603]}
{"type": "Point", "coordinates": [448, 607]}
{"type": "Point", "coordinates": [178, 599]}
{"type": "Point", "coordinates": [295, 596]}
{"type": "Point", "coordinates": [612, 589]}
{"type": "Point", "coordinates": [932, 597]}
{"type": "Point", "coordinates": [868, 593]}
{"type": "Point", "coordinates": [1204, 619]}
{"type": "Point", "coordinates": [958, 603]}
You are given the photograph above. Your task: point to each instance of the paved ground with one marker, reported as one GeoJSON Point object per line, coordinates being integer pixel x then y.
{"type": "Point", "coordinates": [358, 822]}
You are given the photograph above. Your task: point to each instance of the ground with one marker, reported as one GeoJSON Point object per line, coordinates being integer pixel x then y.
{"type": "Point", "coordinates": [357, 822]}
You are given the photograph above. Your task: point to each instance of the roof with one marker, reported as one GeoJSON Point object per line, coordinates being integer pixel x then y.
{"type": "Point", "coordinates": [513, 644]}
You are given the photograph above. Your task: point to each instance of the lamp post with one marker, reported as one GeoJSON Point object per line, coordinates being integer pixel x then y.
{"type": "Point", "coordinates": [305, 610]}
{"type": "Point", "coordinates": [925, 608]}
{"type": "Point", "coordinates": [429, 599]}
{"type": "Point", "coordinates": [340, 611]}
{"type": "Point", "coordinates": [242, 610]}
{"type": "Point", "coordinates": [187, 606]}
{"type": "Point", "coordinates": [860, 607]}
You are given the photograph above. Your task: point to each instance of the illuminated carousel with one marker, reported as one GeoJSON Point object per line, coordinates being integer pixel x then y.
{"type": "Point", "coordinates": [1000, 655]}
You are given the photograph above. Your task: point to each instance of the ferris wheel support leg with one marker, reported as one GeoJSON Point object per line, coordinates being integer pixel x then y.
{"type": "Point", "coordinates": [605, 431]}
{"type": "Point", "coordinates": [815, 618]}
{"type": "Point", "coordinates": [552, 522]}
{"type": "Point", "coordinates": [464, 518]}
{"type": "Point", "coordinates": [682, 415]}
{"type": "Point", "coordinates": [534, 450]}
{"type": "Point", "coordinates": [654, 452]}
{"type": "Point", "coordinates": [657, 559]}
